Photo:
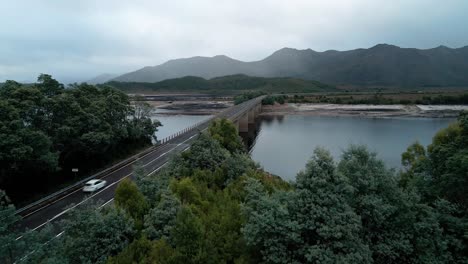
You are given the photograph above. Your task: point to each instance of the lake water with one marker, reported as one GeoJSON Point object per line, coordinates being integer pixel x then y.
{"type": "Point", "coordinates": [175, 123]}
{"type": "Point", "coordinates": [284, 144]}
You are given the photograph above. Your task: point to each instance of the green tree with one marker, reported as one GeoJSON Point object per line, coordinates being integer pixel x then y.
{"type": "Point", "coordinates": [205, 153]}
{"type": "Point", "coordinates": [130, 199]}
{"type": "Point", "coordinates": [330, 227]}
{"type": "Point", "coordinates": [153, 186]}
{"type": "Point", "coordinates": [312, 224]}
{"type": "Point", "coordinates": [46, 130]}
{"type": "Point", "coordinates": [226, 134]}
{"type": "Point", "coordinates": [236, 165]}
{"type": "Point", "coordinates": [27, 246]}
{"type": "Point", "coordinates": [449, 162]}
{"type": "Point", "coordinates": [416, 164]}
{"type": "Point", "coordinates": [186, 236]}
{"type": "Point", "coordinates": [11, 248]}
{"type": "Point", "coordinates": [137, 252]}
{"type": "Point", "coordinates": [186, 191]}
{"type": "Point", "coordinates": [48, 85]}
{"type": "Point", "coordinates": [91, 235]}
{"type": "Point", "coordinates": [161, 219]}
{"type": "Point", "coordinates": [382, 207]}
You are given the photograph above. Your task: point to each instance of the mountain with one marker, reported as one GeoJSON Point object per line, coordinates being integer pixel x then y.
{"type": "Point", "coordinates": [102, 78]}
{"type": "Point", "coordinates": [232, 84]}
{"type": "Point", "coordinates": [382, 64]}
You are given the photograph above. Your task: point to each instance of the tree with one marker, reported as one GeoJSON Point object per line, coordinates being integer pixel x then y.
{"type": "Point", "coordinates": [416, 164]}
{"type": "Point", "coordinates": [137, 252]}
{"type": "Point", "coordinates": [11, 248]}
{"type": "Point", "coordinates": [161, 219]}
{"type": "Point", "coordinates": [186, 237]}
{"type": "Point", "coordinates": [235, 166]}
{"type": "Point", "coordinates": [46, 130]}
{"type": "Point", "coordinates": [330, 227]}
{"type": "Point", "coordinates": [27, 246]}
{"type": "Point", "coordinates": [130, 199]}
{"type": "Point", "coordinates": [186, 191]}
{"type": "Point", "coordinates": [49, 86]}
{"type": "Point", "coordinates": [152, 186]}
{"type": "Point", "coordinates": [382, 207]}
{"type": "Point", "coordinates": [91, 235]}
{"type": "Point", "coordinates": [22, 147]}
{"type": "Point", "coordinates": [312, 224]}
{"type": "Point", "coordinates": [449, 162]}
{"type": "Point", "coordinates": [205, 153]}
{"type": "Point", "coordinates": [226, 134]}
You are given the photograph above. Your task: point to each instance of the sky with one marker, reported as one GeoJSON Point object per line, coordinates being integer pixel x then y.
{"type": "Point", "coordinates": [77, 40]}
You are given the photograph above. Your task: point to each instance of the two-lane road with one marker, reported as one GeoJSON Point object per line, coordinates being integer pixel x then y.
{"type": "Point", "coordinates": [152, 161]}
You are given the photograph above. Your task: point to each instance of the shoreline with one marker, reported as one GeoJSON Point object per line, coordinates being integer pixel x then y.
{"type": "Point", "coordinates": [312, 109]}
{"type": "Point", "coordinates": [371, 111]}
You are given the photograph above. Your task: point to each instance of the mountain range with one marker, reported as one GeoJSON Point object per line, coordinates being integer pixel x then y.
{"type": "Point", "coordinates": [383, 64]}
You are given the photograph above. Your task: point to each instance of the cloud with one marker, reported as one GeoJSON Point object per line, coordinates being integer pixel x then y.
{"type": "Point", "coordinates": [76, 40]}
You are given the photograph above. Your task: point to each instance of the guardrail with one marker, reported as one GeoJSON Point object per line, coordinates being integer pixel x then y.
{"type": "Point", "coordinates": [60, 193]}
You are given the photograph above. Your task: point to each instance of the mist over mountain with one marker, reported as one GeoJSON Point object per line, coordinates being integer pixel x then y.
{"type": "Point", "coordinates": [382, 64]}
{"type": "Point", "coordinates": [102, 78]}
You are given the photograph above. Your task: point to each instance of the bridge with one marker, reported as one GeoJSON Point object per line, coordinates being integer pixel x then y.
{"type": "Point", "coordinates": [55, 206]}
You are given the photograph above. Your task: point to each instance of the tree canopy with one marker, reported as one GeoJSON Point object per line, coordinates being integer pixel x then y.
{"type": "Point", "coordinates": [47, 129]}
{"type": "Point", "coordinates": [214, 205]}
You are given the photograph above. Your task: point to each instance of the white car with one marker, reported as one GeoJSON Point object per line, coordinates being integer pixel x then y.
{"type": "Point", "coordinates": [94, 185]}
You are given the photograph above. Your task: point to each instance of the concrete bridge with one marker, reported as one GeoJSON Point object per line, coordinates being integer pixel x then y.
{"type": "Point", "coordinates": [247, 115]}
{"type": "Point", "coordinates": [242, 121]}
{"type": "Point", "coordinates": [56, 206]}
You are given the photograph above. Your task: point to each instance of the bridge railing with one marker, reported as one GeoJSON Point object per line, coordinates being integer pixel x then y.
{"type": "Point", "coordinates": [78, 185]}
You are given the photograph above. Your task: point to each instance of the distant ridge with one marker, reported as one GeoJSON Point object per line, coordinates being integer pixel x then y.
{"type": "Point", "coordinates": [231, 84]}
{"type": "Point", "coordinates": [382, 64]}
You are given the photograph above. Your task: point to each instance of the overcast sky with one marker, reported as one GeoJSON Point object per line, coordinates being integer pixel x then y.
{"type": "Point", "coordinates": [77, 40]}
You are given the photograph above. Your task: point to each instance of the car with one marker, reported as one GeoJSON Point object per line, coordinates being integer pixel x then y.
{"type": "Point", "coordinates": [94, 185]}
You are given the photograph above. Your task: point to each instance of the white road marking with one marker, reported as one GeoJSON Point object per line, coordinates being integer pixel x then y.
{"type": "Point", "coordinates": [94, 194]}
{"type": "Point", "coordinates": [109, 186]}
{"type": "Point", "coordinates": [106, 203]}
{"type": "Point", "coordinates": [55, 201]}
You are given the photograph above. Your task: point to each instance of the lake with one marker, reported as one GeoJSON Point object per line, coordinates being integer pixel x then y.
{"type": "Point", "coordinates": [285, 143]}
{"type": "Point", "coordinates": [175, 123]}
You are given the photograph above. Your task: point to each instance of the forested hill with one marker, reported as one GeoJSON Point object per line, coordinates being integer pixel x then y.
{"type": "Point", "coordinates": [227, 84]}
{"type": "Point", "coordinates": [380, 65]}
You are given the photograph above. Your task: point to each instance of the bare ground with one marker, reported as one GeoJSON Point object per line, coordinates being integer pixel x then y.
{"type": "Point", "coordinates": [190, 107]}
{"type": "Point", "coordinates": [384, 111]}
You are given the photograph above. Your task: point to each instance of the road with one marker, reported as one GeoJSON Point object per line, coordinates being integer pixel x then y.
{"type": "Point", "coordinates": [151, 161]}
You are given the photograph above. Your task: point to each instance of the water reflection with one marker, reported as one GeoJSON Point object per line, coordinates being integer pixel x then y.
{"type": "Point", "coordinates": [250, 137]}
{"type": "Point", "coordinates": [283, 144]}
{"type": "Point", "coordinates": [272, 118]}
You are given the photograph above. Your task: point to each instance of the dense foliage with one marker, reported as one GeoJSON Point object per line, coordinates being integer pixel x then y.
{"type": "Point", "coordinates": [377, 98]}
{"type": "Point", "coordinates": [212, 204]}
{"type": "Point", "coordinates": [353, 213]}
{"type": "Point", "coordinates": [46, 129]}
{"type": "Point", "coordinates": [232, 84]}
{"type": "Point", "coordinates": [243, 97]}
{"type": "Point", "coordinates": [272, 99]}
{"type": "Point", "coordinates": [441, 170]}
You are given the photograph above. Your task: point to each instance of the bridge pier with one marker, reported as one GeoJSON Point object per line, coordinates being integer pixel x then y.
{"type": "Point", "coordinates": [258, 109]}
{"type": "Point", "coordinates": [252, 115]}
{"type": "Point", "coordinates": [244, 123]}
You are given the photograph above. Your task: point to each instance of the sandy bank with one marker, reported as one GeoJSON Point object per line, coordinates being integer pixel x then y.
{"type": "Point", "coordinates": [436, 111]}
